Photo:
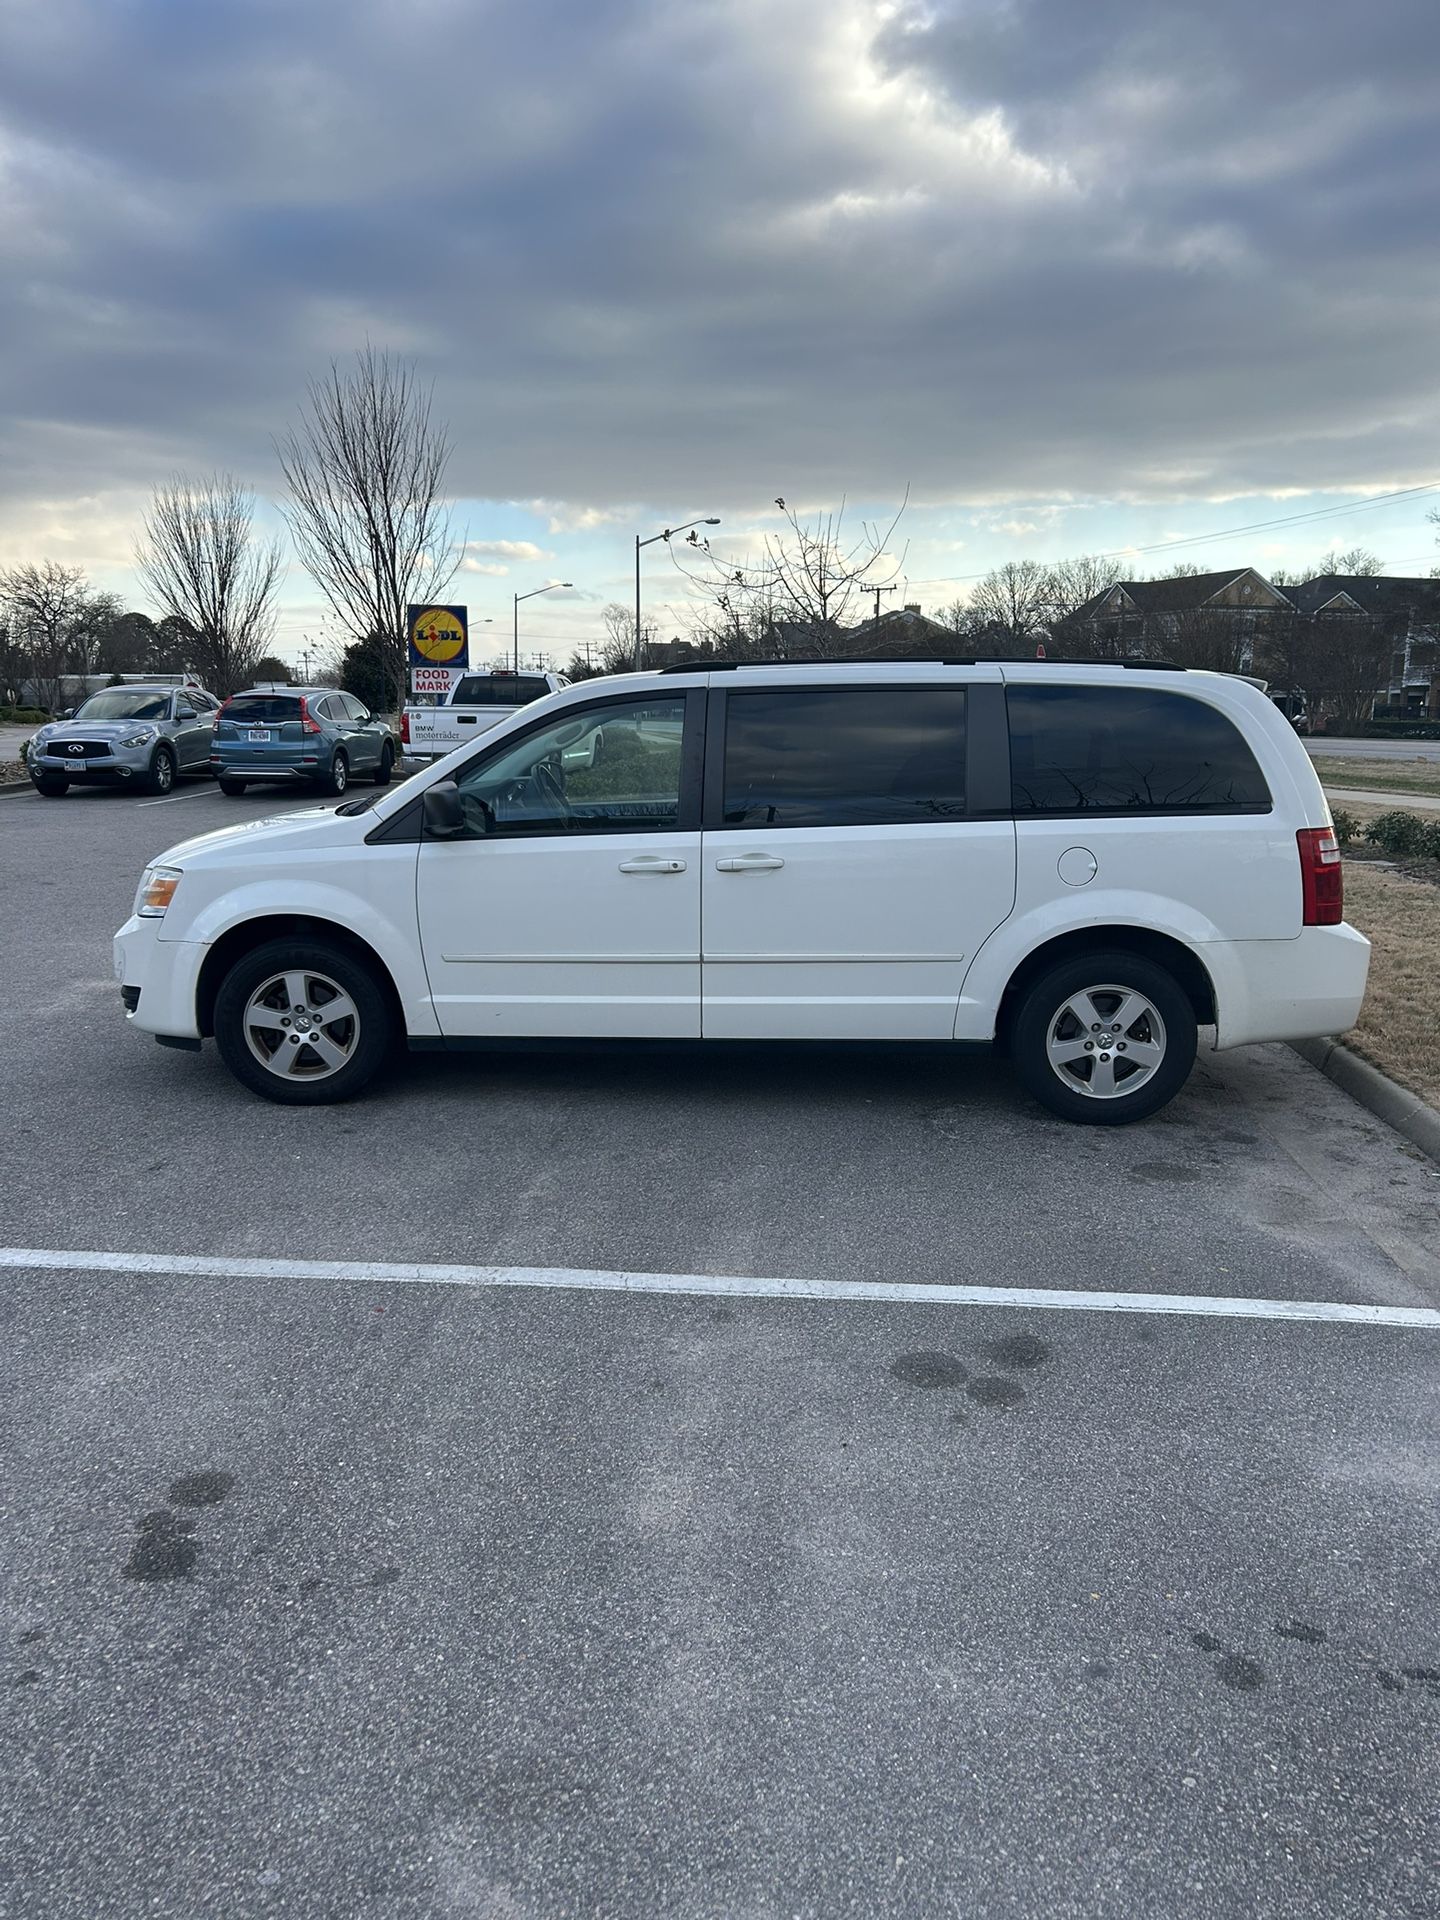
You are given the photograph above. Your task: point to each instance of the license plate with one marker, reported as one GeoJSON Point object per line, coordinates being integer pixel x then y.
{"type": "Point", "coordinates": [258, 733]}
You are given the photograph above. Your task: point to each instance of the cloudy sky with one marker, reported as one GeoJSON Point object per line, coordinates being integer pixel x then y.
{"type": "Point", "coordinates": [1081, 276]}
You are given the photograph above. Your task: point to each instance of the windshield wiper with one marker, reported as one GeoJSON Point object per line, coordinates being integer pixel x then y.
{"type": "Point", "coordinates": [358, 806]}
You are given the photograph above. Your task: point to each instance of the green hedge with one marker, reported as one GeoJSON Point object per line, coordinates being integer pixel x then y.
{"type": "Point", "coordinates": [1398, 730]}
{"type": "Point", "coordinates": [22, 716]}
{"type": "Point", "coordinates": [1404, 835]}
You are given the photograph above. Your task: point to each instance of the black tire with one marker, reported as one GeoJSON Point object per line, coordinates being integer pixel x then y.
{"type": "Point", "coordinates": [336, 777]}
{"type": "Point", "coordinates": [49, 785]}
{"type": "Point", "coordinates": [368, 1045]}
{"type": "Point", "coordinates": [161, 778]}
{"type": "Point", "coordinates": [233, 787]}
{"type": "Point", "coordinates": [1101, 1049]}
{"type": "Point", "coordinates": [381, 775]}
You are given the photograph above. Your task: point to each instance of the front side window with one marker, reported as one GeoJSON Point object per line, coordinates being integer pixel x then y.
{"type": "Point", "coordinates": [1107, 749]}
{"type": "Point", "coordinates": [845, 757]}
{"type": "Point", "coordinates": [610, 769]}
{"type": "Point", "coordinates": [120, 703]}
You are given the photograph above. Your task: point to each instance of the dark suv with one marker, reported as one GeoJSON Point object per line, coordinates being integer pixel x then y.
{"type": "Point", "coordinates": [314, 735]}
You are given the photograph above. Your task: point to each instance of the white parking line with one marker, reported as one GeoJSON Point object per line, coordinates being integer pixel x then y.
{"type": "Point", "coordinates": [711, 1285]}
{"type": "Point", "coordinates": [195, 793]}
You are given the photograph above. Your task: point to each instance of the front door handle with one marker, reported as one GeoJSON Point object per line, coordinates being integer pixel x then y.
{"type": "Point", "coordinates": [652, 863]}
{"type": "Point", "coordinates": [750, 863]}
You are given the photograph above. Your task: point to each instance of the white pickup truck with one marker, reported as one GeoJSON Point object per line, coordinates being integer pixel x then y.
{"type": "Point", "coordinates": [476, 702]}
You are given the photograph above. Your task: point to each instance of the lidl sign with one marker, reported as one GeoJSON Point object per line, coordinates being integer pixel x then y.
{"type": "Point", "coordinates": [439, 636]}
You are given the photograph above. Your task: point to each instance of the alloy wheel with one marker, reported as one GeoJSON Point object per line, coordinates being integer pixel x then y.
{"type": "Point", "coordinates": [1106, 1042]}
{"type": "Point", "coordinates": [301, 1025]}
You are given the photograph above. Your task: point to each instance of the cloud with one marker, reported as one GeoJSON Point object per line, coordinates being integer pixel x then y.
{"type": "Point", "coordinates": [507, 549]}
{"type": "Point", "coordinates": [491, 567]}
{"type": "Point", "coordinates": [1005, 252]}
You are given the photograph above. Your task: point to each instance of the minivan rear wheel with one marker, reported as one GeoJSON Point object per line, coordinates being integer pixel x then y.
{"type": "Point", "coordinates": [1104, 1038]}
{"type": "Point", "coordinates": [302, 1023]}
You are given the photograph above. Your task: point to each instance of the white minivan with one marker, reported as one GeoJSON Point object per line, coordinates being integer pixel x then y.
{"type": "Point", "coordinates": [1082, 863]}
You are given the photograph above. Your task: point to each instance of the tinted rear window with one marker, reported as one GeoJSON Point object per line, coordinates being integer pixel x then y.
{"type": "Point", "coordinates": [1127, 750]}
{"type": "Point", "coordinates": [500, 690]}
{"type": "Point", "coordinates": [257, 709]}
{"type": "Point", "coordinates": [842, 757]}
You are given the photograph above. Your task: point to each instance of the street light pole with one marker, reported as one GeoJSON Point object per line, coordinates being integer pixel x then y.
{"type": "Point", "coordinates": [515, 655]}
{"type": "Point", "coordinates": [639, 543]}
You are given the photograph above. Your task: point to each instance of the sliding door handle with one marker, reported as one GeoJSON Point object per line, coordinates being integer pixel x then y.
{"type": "Point", "coordinates": [750, 863]}
{"type": "Point", "coordinates": [652, 863]}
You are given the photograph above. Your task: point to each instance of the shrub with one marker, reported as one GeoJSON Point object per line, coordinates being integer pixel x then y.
{"type": "Point", "coordinates": [1431, 839]}
{"type": "Point", "coordinates": [1398, 833]}
{"type": "Point", "coordinates": [1383, 729]}
{"type": "Point", "coordinates": [1347, 827]}
{"type": "Point", "coordinates": [22, 716]}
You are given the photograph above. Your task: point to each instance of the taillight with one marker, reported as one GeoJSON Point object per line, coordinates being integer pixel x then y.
{"type": "Point", "coordinates": [307, 723]}
{"type": "Point", "coordinates": [404, 728]}
{"type": "Point", "coordinates": [1322, 883]}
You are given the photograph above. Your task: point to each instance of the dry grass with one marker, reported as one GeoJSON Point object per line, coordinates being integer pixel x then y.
{"type": "Point", "coordinates": [1381, 776]}
{"type": "Point", "coordinates": [1399, 1026]}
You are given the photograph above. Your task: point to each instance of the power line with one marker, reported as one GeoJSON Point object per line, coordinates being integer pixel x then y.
{"type": "Point", "coordinates": [1228, 533]}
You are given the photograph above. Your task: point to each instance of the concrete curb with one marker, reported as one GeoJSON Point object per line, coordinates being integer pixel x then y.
{"type": "Point", "coordinates": [1406, 1112]}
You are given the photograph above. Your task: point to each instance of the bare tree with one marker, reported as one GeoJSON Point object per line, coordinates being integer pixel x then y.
{"type": "Point", "coordinates": [47, 607]}
{"type": "Point", "coordinates": [1014, 602]}
{"type": "Point", "coordinates": [807, 583]}
{"type": "Point", "coordinates": [1353, 660]}
{"type": "Point", "coordinates": [364, 469]}
{"type": "Point", "coordinates": [1354, 562]}
{"type": "Point", "coordinates": [617, 649]}
{"type": "Point", "coordinates": [208, 568]}
{"type": "Point", "coordinates": [1073, 582]}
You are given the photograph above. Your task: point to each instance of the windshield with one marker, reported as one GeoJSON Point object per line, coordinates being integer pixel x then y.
{"type": "Point", "coordinates": [126, 703]}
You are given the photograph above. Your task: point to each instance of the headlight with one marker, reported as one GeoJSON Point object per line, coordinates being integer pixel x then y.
{"type": "Point", "coordinates": [157, 890]}
{"type": "Point", "coordinates": [140, 739]}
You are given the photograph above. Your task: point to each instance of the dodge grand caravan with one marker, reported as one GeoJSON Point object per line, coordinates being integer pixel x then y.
{"type": "Point", "coordinates": [1083, 864]}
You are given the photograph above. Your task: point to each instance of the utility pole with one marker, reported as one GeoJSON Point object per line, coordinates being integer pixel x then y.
{"type": "Point", "coordinates": [877, 591]}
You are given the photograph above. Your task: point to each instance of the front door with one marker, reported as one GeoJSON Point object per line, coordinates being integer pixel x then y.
{"type": "Point", "coordinates": [569, 905]}
{"type": "Point", "coordinates": [194, 732]}
{"type": "Point", "coordinates": [848, 882]}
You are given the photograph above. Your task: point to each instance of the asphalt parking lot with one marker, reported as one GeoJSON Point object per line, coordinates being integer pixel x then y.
{"type": "Point", "coordinates": [514, 1591]}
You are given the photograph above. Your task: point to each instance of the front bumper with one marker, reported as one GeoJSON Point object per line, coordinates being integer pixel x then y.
{"type": "Point", "coordinates": [158, 979]}
{"type": "Point", "coordinates": [118, 768]}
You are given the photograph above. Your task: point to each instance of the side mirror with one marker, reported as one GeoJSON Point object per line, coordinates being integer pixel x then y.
{"type": "Point", "coordinates": [66, 713]}
{"type": "Point", "coordinates": [441, 811]}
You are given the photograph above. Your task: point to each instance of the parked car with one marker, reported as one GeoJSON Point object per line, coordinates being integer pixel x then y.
{"type": "Point", "coordinates": [125, 736]}
{"type": "Point", "coordinates": [297, 736]}
{"type": "Point", "coordinates": [473, 705]}
{"type": "Point", "coordinates": [1085, 864]}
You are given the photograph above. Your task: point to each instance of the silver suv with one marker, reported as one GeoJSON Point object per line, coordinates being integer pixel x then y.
{"type": "Point", "coordinates": [125, 736]}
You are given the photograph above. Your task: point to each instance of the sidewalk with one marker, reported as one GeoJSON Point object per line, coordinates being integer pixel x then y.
{"type": "Point", "coordinates": [1366, 797]}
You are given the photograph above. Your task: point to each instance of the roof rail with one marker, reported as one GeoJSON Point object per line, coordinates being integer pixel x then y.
{"type": "Point", "coordinates": [920, 660]}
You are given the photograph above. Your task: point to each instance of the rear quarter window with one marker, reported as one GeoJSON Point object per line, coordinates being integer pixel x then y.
{"type": "Point", "coordinates": [1127, 750]}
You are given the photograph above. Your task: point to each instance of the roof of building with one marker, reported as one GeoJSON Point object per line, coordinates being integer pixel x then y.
{"type": "Point", "coordinates": [1183, 594]}
{"type": "Point", "coordinates": [1378, 595]}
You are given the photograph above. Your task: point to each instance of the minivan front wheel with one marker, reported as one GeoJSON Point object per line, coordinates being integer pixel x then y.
{"type": "Point", "coordinates": [1105, 1038]}
{"type": "Point", "coordinates": [302, 1023]}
